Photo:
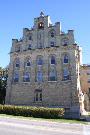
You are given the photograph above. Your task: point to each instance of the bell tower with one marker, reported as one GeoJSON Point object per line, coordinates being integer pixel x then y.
{"type": "Point", "coordinates": [42, 22]}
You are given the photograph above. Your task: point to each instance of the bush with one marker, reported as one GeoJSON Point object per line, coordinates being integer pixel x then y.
{"type": "Point", "coordinates": [38, 112]}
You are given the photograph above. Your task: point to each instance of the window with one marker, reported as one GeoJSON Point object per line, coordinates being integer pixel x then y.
{"type": "Point", "coordinates": [27, 63]}
{"type": "Point", "coordinates": [65, 58]}
{"type": "Point", "coordinates": [39, 61]}
{"type": "Point", "coordinates": [53, 60]}
{"type": "Point", "coordinates": [40, 46]}
{"type": "Point", "coordinates": [17, 49]}
{"type": "Point", "coordinates": [52, 44]}
{"type": "Point", "coordinates": [65, 74]}
{"type": "Point", "coordinates": [17, 63]}
{"type": "Point", "coordinates": [88, 80]}
{"type": "Point", "coordinates": [52, 75]}
{"type": "Point", "coordinates": [41, 25]}
{"type": "Point", "coordinates": [16, 77]}
{"type": "Point", "coordinates": [26, 77]}
{"type": "Point", "coordinates": [89, 90]}
{"type": "Point", "coordinates": [29, 47]}
{"type": "Point", "coordinates": [88, 73]}
{"type": "Point", "coordinates": [30, 37]}
{"type": "Point", "coordinates": [65, 41]}
{"type": "Point", "coordinates": [38, 95]}
{"type": "Point", "coordinates": [52, 34]}
{"type": "Point", "coordinates": [39, 76]}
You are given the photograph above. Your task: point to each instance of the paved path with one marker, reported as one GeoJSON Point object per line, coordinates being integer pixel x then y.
{"type": "Point", "coordinates": [15, 126]}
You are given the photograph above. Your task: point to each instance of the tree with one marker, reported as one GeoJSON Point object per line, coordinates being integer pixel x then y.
{"type": "Point", "coordinates": [3, 84]}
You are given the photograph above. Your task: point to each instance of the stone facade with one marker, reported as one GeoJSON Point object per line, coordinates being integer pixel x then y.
{"type": "Point", "coordinates": [44, 68]}
{"type": "Point", "coordinates": [85, 84]}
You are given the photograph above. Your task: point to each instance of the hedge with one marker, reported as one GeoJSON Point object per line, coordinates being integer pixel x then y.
{"type": "Point", "coordinates": [27, 111]}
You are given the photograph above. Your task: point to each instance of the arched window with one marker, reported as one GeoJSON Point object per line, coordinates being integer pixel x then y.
{"type": "Point", "coordinates": [66, 74]}
{"type": "Point", "coordinates": [39, 76]}
{"type": "Point", "coordinates": [27, 63]}
{"type": "Point", "coordinates": [52, 34]}
{"type": "Point", "coordinates": [17, 63]}
{"type": "Point", "coordinates": [53, 61]}
{"type": "Point", "coordinates": [26, 77]}
{"type": "Point", "coordinates": [39, 61]}
{"type": "Point", "coordinates": [52, 75]}
{"type": "Point", "coordinates": [65, 41]}
{"type": "Point", "coordinates": [40, 25]}
{"type": "Point", "coordinates": [65, 58]}
{"type": "Point", "coordinates": [16, 77]}
{"type": "Point", "coordinates": [52, 43]}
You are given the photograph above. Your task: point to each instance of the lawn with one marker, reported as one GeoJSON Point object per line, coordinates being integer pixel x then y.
{"type": "Point", "coordinates": [43, 119]}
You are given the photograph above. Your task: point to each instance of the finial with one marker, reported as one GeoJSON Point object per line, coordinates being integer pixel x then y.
{"type": "Point", "coordinates": [42, 14]}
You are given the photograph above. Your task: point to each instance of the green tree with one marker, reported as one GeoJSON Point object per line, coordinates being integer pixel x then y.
{"type": "Point", "coordinates": [3, 84]}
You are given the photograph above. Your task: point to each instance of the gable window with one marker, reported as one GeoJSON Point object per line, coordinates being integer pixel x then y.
{"type": "Point", "coordinates": [16, 77]}
{"type": "Point", "coordinates": [53, 60]}
{"type": "Point", "coordinates": [26, 77]}
{"type": "Point", "coordinates": [65, 74]}
{"type": "Point", "coordinates": [65, 58]}
{"type": "Point", "coordinates": [38, 95]}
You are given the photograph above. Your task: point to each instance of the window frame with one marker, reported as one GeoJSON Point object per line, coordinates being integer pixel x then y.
{"type": "Point", "coordinates": [25, 78]}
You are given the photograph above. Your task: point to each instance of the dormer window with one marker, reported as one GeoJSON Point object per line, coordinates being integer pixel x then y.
{"type": "Point", "coordinates": [41, 25]}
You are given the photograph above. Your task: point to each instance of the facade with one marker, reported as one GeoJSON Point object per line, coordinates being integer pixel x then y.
{"type": "Point", "coordinates": [85, 84]}
{"type": "Point", "coordinates": [44, 68]}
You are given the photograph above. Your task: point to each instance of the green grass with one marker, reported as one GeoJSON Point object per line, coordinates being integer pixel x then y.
{"type": "Point", "coordinates": [43, 119]}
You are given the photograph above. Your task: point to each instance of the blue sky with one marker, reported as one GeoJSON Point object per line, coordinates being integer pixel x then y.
{"type": "Point", "coordinates": [18, 14]}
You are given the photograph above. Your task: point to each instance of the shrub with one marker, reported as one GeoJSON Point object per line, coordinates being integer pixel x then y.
{"type": "Point", "coordinates": [27, 111]}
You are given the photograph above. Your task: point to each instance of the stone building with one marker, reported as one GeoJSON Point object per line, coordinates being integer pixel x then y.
{"type": "Point", "coordinates": [44, 68]}
{"type": "Point", "coordinates": [85, 84]}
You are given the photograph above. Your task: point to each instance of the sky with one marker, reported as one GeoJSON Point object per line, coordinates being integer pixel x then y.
{"type": "Point", "coordinates": [18, 14]}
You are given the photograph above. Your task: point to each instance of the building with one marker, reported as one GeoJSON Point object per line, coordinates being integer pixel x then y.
{"type": "Point", "coordinates": [44, 68]}
{"type": "Point", "coordinates": [85, 84]}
